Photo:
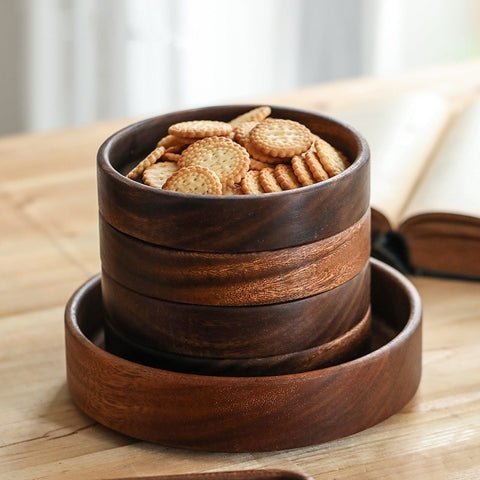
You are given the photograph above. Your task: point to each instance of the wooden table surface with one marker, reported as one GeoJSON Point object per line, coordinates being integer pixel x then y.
{"type": "Point", "coordinates": [49, 246]}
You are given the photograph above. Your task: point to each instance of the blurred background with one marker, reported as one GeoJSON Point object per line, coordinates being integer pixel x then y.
{"type": "Point", "coordinates": [72, 62]}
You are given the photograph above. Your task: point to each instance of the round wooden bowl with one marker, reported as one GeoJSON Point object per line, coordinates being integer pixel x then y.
{"type": "Point", "coordinates": [246, 414]}
{"type": "Point", "coordinates": [343, 348]}
{"type": "Point", "coordinates": [241, 223]}
{"type": "Point", "coordinates": [254, 278]}
{"type": "Point", "coordinates": [236, 332]}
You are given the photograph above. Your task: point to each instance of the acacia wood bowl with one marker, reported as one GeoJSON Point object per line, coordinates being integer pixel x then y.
{"type": "Point", "coordinates": [246, 414]}
{"type": "Point", "coordinates": [254, 278]}
{"type": "Point", "coordinates": [343, 348]}
{"type": "Point", "coordinates": [238, 331]}
{"type": "Point", "coordinates": [230, 224]}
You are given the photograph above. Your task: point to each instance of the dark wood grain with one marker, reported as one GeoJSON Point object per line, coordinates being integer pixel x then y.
{"type": "Point", "coordinates": [343, 348]}
{"type": "Point", "coordinates": [234, 223]}
{"type": "Point", "coordinates": [236, 332]}
{"type": "Point", "coordinates": [255, 278]}
{"type": "Point", "coordinates": [238, 414]}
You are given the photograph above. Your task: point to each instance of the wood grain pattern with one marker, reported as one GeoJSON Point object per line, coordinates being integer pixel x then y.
{"type": "Point", "coordinates": [249, 413]}
{"type": "Point", "coordinates": [255, 278]}
{"type": "Point", "coordinates": [236, 332]}
{"type": "Point", "coordinates": [243, 223]}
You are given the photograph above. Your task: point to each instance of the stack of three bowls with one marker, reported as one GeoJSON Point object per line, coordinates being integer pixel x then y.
{"type": "Point", "coordinates": [265, 284]}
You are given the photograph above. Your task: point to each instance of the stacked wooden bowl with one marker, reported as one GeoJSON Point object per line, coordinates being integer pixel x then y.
{"type": "Point", "coordinates": [245, 285]}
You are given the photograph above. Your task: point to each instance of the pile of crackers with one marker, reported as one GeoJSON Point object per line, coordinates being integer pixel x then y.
{"type": "Point", "coordinates": [249, 155]}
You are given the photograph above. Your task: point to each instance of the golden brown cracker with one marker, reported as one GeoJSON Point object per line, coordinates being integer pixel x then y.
{"type": "Point", "coordinates": [333, 161]}
{"type": "Point", "coordinates": [302, 172]}
{"type": "Point", "coordinates": [278, 137]}
{"type": "Point", "coordinates": [257, 114]}
{"type": "Point", "coordinates": [251, 183]}
{"type": "Point", "coordinates": [242, 132]}
{"type": "Point", "coordinates": [315, 166]}
{"type": "Point", "coordinates": [200, 129]}
{"type": "Point", "coordinates": [229, 160]}
{"type": "Point", "coordinates": [157, 174]}
{"type": "Point", "coordinates": [149, 160]}
{"type": "Point", "coordinates": [286, 177]}
{"type": "Point", "coordinates": [173, 142]}
{"type": "Point", "coordinates": [194, 179]}
{"type": "Point", "coordinates": [261, 157]}
{"type": "Point", "coordinates": [268, 181]}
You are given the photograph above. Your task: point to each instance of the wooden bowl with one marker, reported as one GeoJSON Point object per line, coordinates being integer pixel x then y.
{"type": "Point", "coordinates": [242, 414]}
{"type": "Point", "coordinates": [236, 332]}
{"type": "Point", "coordinates": [253, 278]}
{"type": "Point", "coordinates": [343, 348]}
{"type": "Point", "coordinates": [211, 223]}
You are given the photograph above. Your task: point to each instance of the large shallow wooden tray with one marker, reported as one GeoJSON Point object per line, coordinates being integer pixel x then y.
{"type": "Point", "coordinates": [236, 414]}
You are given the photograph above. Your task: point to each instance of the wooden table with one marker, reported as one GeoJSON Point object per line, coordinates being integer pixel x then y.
{"type": "Point", "coordinates": [49, 246]}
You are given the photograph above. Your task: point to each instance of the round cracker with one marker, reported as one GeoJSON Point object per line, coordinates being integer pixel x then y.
{"type": "Point", "coordinates": [268, 181]}
{"type": "Point", "coordinates": [302, 172]}
{"type": "Point", "coordinates": [251, 183]}
{"type": "Point", "coordinates": [194, 179]}
{"type": "Point", "coordinates": [286, 177]}
{"type": "Point", "coordinates": [149, 160]}
{"type": "Point", "coordinates": [279, 137]}
{"type": "Point", "coordinates": [172, 141]}
{"type": "Point", "coordinates": [200, 129]}
{"type": "Point", "coordinates": [261, 157]}
{"type": "Point", "coordinates": [315, 166]}
{"type": "Point", "coordinates": [257, 114]}
{"type": "Point", "coordinates": [229, 160]}
{"type": "Point", "coordinates": [243, 131]}
{"type": "Point", "coordinates": [333, 161]}
{"type": "Point", "coordinates": [157, 174]}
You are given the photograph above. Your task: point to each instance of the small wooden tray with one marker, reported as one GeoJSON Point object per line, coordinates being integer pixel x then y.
{"type": "Point", "coordinates": [239, 414]}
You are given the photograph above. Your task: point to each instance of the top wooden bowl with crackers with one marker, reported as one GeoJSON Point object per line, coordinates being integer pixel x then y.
{"type": "Point", "coordinates": [142, 192]}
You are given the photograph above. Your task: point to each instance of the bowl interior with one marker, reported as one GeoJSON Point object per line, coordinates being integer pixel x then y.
{"type": "Point", "coordinates": [135, 142]}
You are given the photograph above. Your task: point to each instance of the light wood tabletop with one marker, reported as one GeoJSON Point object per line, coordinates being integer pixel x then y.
{"type": "Point", "coordinates": [49, 247]}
